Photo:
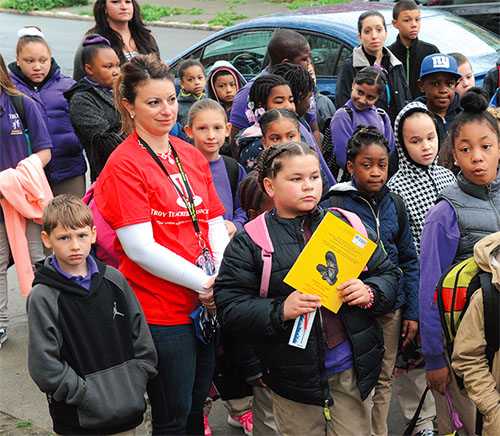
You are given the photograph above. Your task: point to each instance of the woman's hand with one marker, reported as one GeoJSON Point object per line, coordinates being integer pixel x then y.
{"type": "Point", "coordinates": [231, 228]}
{"type": "Point", "coordinates": [438, 379]}
{"type": "Point", "coordinates": [298, 303]}
{"type": "Point", "coordinates": [410, 329]}
{"type": "Point", "coordinates": [354, 292]}
{"type": "Point", "coordinates": [208, 301]}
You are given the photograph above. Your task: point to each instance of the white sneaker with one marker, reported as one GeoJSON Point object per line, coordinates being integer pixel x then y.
{"type": "Point", "coordinates": [3, 335]}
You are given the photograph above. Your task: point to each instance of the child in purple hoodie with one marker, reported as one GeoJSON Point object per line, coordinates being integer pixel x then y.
{"type": "Point", "coordinates": [367, 86]}
{"type": "Point", "coordinates": [465, 212]}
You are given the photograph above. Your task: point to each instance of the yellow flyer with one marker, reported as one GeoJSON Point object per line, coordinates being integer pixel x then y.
{"type": "Point", "coordinates": [335, 253]}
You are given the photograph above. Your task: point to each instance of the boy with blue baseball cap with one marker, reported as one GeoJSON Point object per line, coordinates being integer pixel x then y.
{"type": "Point", "coordinates": [438, 80]}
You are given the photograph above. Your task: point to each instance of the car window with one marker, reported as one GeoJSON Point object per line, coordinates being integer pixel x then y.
{"type": "Point", "coordinates": [325, 53]}
{"type": "Point", "coordinates": [245, 50]}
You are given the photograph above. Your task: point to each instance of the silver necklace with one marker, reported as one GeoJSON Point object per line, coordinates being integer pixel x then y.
{"type": "Point", "coordinates": [167, 156]}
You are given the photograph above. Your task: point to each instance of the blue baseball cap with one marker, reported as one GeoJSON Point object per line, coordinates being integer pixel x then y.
{"type": "Point", "coordinates": [439, 63]}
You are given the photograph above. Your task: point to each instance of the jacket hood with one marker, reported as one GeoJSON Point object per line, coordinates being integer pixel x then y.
{"type": "Point", "coordinates": [81, 85]}
{"type": "Point", "coordinates": [47, 275]}
{"type": "Point", "coordinates": [54, 72]}
{"type": "Point", "coordinates": [404, 158]}
{"type": "Point", "coordinates": [359, 58]}
{"type": "Point", "coordinates": [220, 66]}
{"type": "Point", "coordinates": [486, 254]}
{"type": "Point", "coordinates": [349, 188]}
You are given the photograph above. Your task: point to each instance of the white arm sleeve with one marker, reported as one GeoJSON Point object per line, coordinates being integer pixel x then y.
{"type": "Point", "coordinates": [218, 239]}
{"type": "Point", "coordinates": [138, 242]}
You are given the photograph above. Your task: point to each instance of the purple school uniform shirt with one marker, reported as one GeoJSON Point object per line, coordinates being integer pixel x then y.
{"type": "Point", "coordinates": [83, 281]}
{"type": "Point", "coordinates": [234, 212]}
{"type": "Point", "coordinates": [342, 128]}
{"type": "Point", "coordinates": [14, 147]}
{"type": "Point", "coordinates": [438, 247]}
{"type": "Point", "coordinates": [309, 138]}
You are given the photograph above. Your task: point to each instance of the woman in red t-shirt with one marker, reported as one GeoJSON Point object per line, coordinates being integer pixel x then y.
{"type": "Point", "coordinates": [156, 192]}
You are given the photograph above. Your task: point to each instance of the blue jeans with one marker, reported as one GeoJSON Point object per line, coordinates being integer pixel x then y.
{"type": "Point", "coordinates": [185, 370]}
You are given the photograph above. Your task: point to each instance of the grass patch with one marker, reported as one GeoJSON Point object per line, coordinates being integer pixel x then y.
{"type": "Point", "coordinates": [197, 22]}
{"type": "Point", "coordinates": [40, 5]}
{"type": "Point", "coordinates": [23, 424]}
{"type": "Point", "coordinates": [228, 18]}
{"type": "Point", "coordinates": [155, 13]}
{"type": "Point", "coordinates": [296, 4]}
{"type": "Point", "coordinates": [86, 13]}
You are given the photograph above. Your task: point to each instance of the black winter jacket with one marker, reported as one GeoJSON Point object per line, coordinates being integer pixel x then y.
{"type": "Point", "coordinates": [293, 373]}
{"type": "Point", "coordinates": [399, 90]}
{"type": "Point", "coordinates": [96, 121]}
{"type": "Point", "coordinates": [411, 57]}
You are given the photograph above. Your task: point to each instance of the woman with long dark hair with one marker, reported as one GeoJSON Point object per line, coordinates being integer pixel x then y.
{"type": "Point", "coordinates": [120, 22]}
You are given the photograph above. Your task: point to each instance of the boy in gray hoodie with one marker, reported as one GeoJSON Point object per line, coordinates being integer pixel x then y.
{"type": "Point", "coordinates": [90, 349]}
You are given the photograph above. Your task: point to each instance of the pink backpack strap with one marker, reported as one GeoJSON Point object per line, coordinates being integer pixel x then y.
{"type": "Point", "coordinates": [354, 221]}
{"type": "Point", "coordinates": [257, 230]}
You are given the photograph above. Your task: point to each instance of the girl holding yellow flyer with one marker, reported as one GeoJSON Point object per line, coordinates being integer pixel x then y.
{"type": "Point", "coordinates": [318, 383]}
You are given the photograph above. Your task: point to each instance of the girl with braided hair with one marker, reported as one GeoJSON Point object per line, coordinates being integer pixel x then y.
{"type": "Point", "coordinates": [368, 196]}
{"type": "Point", "coordinates": [313, 389]}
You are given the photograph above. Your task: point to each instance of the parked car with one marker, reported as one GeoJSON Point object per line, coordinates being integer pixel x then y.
{"type": "Point", "coordinates": [332, 34]}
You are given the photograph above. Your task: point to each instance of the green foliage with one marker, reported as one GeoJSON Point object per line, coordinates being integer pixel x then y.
{"type": "Point", "coordinates": [40, 5]}
{"type": "Point", "coordinates": [296, 4]}
{"type": "Point", "coordinates": [227, 18]}
{"type": "Point", "coordinates": [23, 424]}
{"type": "Point", "coordinates": [155, 13]}
{"type": "Point", "coordinates": [197, 22]}
{"type": "Point", "coordinates": [86, 13]}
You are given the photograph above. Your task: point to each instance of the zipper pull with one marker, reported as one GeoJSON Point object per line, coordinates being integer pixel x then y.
{"type": "Point", "coordinates": [327, 411]}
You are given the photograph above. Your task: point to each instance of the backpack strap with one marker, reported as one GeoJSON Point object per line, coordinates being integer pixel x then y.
{"type": "Point", "coordinates": [233, 172]}
{"type": "Point", "coordinates": [349, 111]}
{"type": "Point", "coordinates": [18, 103]}
{"type": "Point", "coordinates": [382, 114]}
{"type": "Point", "coordinates": [336, 201]}
{"type": "Point", "coordinates": [491, 304]}
{"type": "Point", "coordinates": [257, 230]}
{"type": "Point", "coordinates": [354, 220]}
{"type": "Point", "coordinates": [400, 211]}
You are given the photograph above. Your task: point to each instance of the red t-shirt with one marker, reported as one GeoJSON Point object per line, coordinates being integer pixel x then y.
{"type": "Point", "coordinates": [133, 189]}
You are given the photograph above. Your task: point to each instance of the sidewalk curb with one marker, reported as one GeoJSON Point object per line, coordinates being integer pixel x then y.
{"type": "Point", "coordinates": [71, 16]}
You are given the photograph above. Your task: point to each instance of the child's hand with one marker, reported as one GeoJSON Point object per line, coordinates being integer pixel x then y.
{"type": "Point", "coordinates": [298, 303]}
{"type": "Point", "coordinates": [438, 379]}
{"type": "Point", "coordinates": [354, 292]}
{"type": "Point", "coordinates": [410, 329]}
{"type": "Point", "coordinates": [231, 228]}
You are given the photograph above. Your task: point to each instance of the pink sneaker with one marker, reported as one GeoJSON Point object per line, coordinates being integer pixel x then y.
{"type": "Point", "coordinates": [244, 421]}
{"type": "Point", "coordinates": [208, 431]}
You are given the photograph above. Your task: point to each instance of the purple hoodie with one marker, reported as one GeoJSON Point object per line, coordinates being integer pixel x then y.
{"type": "Point", "coordinates": [342, 128]}
{"type": "Point", "coordinates": [438, 247]}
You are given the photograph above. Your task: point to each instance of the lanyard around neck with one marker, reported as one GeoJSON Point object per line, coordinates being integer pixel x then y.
{"type": "Point", "coordinates": [188, 201]}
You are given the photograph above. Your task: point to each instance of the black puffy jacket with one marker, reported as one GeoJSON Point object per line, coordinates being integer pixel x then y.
{"type": "Point", "coordinates": [293, 373]}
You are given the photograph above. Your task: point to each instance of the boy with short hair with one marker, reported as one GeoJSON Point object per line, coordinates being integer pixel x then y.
{"type": "Point", "coordinates": [285, 45]}
{"type": "Point", "coordinates": [407, 47]}
{"type": "Point", "coordinates": [90, 349]}
{"type": "Point", "coordinates": [224, 81]}
{"type": "Point", "coordinates": [438, 81]}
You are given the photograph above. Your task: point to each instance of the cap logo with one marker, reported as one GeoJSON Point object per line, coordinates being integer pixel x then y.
{"type": "Point", "coordinates": [441, 62]}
